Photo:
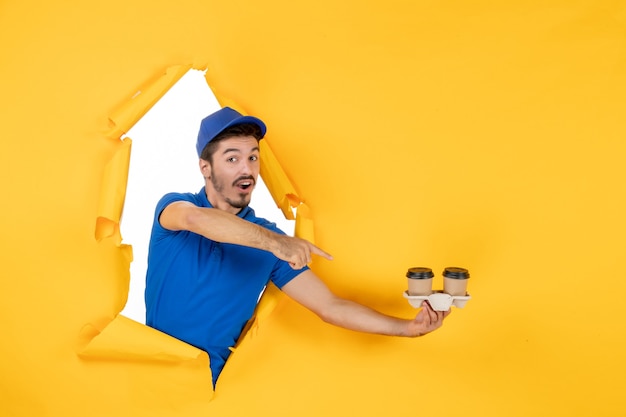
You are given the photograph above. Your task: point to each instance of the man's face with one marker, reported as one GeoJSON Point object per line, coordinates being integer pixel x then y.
{"type": "Point", "coordinates": [232, 175]}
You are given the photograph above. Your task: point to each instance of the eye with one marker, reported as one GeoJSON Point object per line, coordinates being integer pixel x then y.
{"type": "Point", "coordinates": [232, 159]}
{"type": "Point", "coordinates": [254, 158]}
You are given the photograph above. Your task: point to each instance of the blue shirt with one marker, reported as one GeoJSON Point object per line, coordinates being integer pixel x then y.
{"type": "Point", "coordinates": [203, 292]}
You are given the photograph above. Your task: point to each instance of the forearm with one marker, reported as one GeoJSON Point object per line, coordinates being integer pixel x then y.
{"type": "Point", "coordinates": [354, 316]}
{"type": "Point", "coordinates": [224, 227]}
{"type": "Point", "coordinates": [221, 226]}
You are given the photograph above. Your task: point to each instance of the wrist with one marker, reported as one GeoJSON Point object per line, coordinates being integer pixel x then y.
{"type": "Point", "coordinates": [413, 329]}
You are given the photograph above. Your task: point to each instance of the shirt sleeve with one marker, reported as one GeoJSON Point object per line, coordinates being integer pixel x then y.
{"type": "Point", "coordinates": [283, 273]}
{"type": "Point", "coordinates": [158, 230]}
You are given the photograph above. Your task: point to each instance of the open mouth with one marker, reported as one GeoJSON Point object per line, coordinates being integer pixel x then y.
{"type": "Point", "coordinates": [244, 184]}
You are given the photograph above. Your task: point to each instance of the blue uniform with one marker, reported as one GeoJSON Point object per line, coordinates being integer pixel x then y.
{"type": "Point", "coordinates": [203, 292]}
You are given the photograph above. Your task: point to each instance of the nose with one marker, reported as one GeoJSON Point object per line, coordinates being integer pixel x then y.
{"type": "Point", "coordinates": [247, 167]}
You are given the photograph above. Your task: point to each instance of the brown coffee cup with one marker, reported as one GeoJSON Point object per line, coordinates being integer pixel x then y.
{"type": "Point", "coordinates": [420, 281]}
{"type": "Point", "coordinates": [455, 281]}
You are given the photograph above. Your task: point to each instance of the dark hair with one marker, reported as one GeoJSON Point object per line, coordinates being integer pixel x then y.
{"type": "Point", "coordinates": [243, 129]}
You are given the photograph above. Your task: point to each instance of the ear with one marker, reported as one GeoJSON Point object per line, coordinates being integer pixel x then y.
{"type": "Point", "coordinates": [205, 168]}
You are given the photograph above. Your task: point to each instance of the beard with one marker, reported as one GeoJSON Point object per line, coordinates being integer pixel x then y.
{"type": "Point", "coordinates": [239, 202]}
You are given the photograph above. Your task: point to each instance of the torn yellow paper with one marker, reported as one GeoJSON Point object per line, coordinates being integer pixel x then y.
{"type": "Point", "coordinates": [279, 186]}
{"type": "Point", "coordinates": [126, 115]}
{"type": "Point", "coordinates": [124, 339]}
{"type": "Point", "coordinates": [113, 192]}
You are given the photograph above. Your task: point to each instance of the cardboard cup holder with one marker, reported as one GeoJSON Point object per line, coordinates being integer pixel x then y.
{"type": "Point", "coordinates": [438, 300]}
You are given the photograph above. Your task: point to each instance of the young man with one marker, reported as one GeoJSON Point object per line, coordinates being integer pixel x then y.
{"type": "Point", "coordinates": [210, 257]}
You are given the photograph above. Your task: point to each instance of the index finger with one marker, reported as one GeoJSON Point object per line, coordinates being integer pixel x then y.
{"type": "Point", "coordinates": [321, 253]}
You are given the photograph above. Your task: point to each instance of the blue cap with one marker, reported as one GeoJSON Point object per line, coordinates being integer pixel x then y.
{"type": "Point", "coordinates": [216, 123]}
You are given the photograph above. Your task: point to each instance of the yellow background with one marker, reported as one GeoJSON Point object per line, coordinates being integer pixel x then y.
{"type": "Point", "coordinates": [474, 134]}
